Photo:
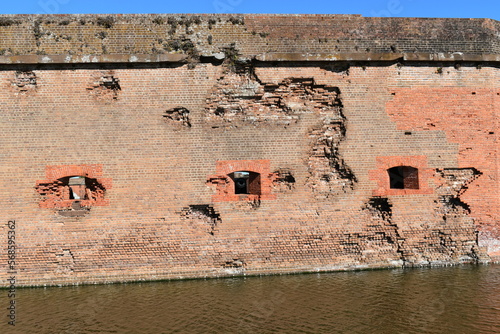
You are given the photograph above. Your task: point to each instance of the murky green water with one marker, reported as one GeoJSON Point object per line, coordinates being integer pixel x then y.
{"type": "Point", "coordinates": [439, 300]}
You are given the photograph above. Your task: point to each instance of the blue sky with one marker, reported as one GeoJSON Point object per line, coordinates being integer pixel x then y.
{"type": "Point", "coordinates": [405, 8]}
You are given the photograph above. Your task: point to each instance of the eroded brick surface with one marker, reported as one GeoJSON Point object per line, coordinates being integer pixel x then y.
{"type": "Point", "coordinates": [203, 217]}
{"type": "Point", "coordinates": [283, 180]}
{"type": "Point", "coordinates": [241, 98]}
{"type": "Point", "coordinates": [58, 192]}
{"type": "Point", "coordinates": [25, 81]}
{"type": "Point", "coordinates": [178, 117]}
{"type": "Point", "coordinates": [329, 175]}
{"type": "Point", "coordinates": [105, 87]}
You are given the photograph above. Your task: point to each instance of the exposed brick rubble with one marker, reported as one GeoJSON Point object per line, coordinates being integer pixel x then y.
{"type": "Point", "coordinates": [239, 98]}
{"type": "Point", "coordinates": [65, 262]}
{"type": "Point", "coordinates": [25, 81]}
{"type": "Point", "coordinates": [202, 217]}
{"type": "Point", "coordinates": [329, 175]}
{"type": "Point", "coordinates": [106, 87]}
{"type": "Point", "coordinates": [178, 117]}
{"type": "Point", "coordinates": [283, 180]}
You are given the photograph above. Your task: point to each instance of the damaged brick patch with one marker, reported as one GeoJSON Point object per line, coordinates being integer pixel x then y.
{"type": "Point", "coordinates": [202, 216]}
{"type": "Point", "coordinates": [105, 87]}
{"type": "Point", "coordinates": [329, 174]}
{"type": "Point", "coordinates": [452, 237]}
{"type": "Point", "coordinates": [372, 245]}
{"type": "Point", "coordinates": [453, 182]}
{"type": "Point", "coordinates": [65, 261]}
{"type": "Point", "coordinates": [234, 263]}
{"type": "Point", "coordinates": [25, 81]}
{"type": "Point", "coordinates": [283, 180]}
{"type": "Point", "coordinates": [381, 232]}
{"type": "Point", "coordinates": [454, 242]}
{"type": "Point", "coordinates": [178, 117]}
{"type": "Point", "coordinates": [240, 98]}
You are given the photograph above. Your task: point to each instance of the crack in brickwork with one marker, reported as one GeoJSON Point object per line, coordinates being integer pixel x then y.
{"type": "Point", "coordinates": [240, 98]}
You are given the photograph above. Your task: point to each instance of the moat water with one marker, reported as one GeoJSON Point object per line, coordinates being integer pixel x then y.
{"type": "Point", "coordinates": [463, 299]}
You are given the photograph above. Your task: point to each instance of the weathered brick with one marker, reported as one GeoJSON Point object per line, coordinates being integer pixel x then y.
{"type": "Point", "coordinates": [155, 114]}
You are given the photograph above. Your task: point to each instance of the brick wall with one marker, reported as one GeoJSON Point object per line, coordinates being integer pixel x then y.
{"type": "Point", "coordinates": [468, 117]}
{"type": "Point", "coordinates": [161, 140]}
{"type": "Point", "coordinates": [251, 34]}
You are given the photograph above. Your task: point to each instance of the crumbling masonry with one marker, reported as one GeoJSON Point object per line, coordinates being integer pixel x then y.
{"type": "Point", "coordinates": [146, 147]}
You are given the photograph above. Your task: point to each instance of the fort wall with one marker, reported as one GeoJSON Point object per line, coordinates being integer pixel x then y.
{"type": "Point", "coordinates": [121, 136]}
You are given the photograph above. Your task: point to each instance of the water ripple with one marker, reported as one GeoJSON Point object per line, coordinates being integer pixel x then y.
{"type": "Point", "coordinates": [439, 300]}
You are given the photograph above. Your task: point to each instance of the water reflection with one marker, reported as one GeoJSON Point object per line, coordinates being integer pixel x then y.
{"type": "Point", "coordinates": [440, 300]}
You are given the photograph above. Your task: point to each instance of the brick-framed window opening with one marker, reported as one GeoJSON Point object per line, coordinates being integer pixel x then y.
{"type": "Point", "coordinates": [79, 188]}
{"type": "Point", "coordinates": [253, 176]}
{"type": "Point", "coordinates": [403, 177]}
{"type": "Point", "coordinates": [246, 182]}
{"type": "Point", "coordinates": [73, 186]}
